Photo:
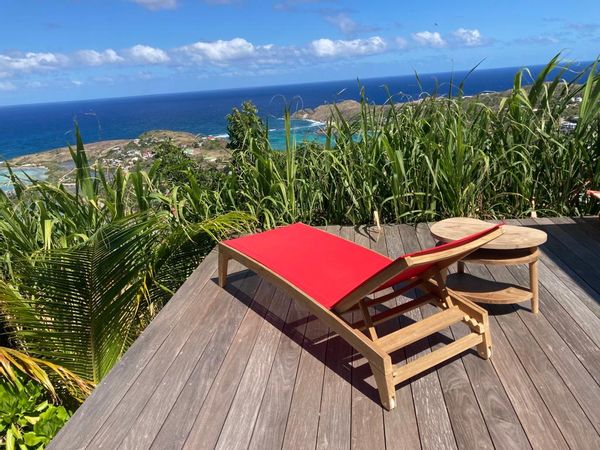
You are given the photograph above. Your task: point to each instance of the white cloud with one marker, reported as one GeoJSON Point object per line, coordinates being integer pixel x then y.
{"type": "Point", "coordinates": [31, 61]}
{"type": "Point", "coordinates": [356, 47]}
{"type": "Point", "coordinates": [222, 51]}
{"type": "Point", "coordinates": [470, 38]}
{"type": "Point", "coordinates": [77, 82]}
{"type": "Point", "coordinates": [155, 5]}
{"type": "Point", "coordinates": [95, 58]}
{"type": "Point", "coordinates": [145, 54]}
{"type": "Point", "coordinates": [7, 86]}
{"type": "Point", "coordinates": [429, 39]}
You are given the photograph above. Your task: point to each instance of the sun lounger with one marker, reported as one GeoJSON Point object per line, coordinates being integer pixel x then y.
{"type": "Point", "coordinates": [332, 276]}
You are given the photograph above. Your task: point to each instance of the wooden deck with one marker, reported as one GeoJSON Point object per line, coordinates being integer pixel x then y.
{"type": "Point", "coordinates": [247, 368]}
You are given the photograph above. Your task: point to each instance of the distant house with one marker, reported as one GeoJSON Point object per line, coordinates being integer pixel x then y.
{"type": "Point", "coordinates": [566, 126]}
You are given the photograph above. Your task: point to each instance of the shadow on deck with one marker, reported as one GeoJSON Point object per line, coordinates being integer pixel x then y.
{"type": "Point", "coordinates": [247, 367]}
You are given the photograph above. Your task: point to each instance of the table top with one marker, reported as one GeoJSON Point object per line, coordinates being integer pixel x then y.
{"type": "Point", "coordinates": [514, 237]}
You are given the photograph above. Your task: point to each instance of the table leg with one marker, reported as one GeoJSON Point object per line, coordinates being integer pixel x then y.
{"type": "Point", "coordinates": [533, 283]}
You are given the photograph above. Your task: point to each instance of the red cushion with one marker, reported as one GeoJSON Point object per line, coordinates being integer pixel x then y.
{"type": "Point", "coordinates": [324, 266]}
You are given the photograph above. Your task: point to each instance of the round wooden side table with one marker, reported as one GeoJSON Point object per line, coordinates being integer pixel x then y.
{"type": "Point", "coordinates": [517, 245]}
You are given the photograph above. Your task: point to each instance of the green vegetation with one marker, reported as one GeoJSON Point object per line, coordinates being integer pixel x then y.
{"type": "Point", "coordinates": [27, 418]}
{"type": "Point", "coordinates": [244, 125]}
{"type": "Point", "coordinates": [439, 157]}
{"type": "Point", "coordinates": [85, 267]}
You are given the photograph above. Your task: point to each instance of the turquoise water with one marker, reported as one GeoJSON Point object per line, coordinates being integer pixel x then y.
{"type": "Point", "coordinates": [38, 173]}
{"type": "Point", "coordinates": [301, 130]}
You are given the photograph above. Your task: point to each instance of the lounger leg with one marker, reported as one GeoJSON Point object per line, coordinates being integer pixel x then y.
{"type": "Point", "coordinates": [485, 348]}
{"type": "Point", "coordinates": [223, 260]}
{"type": "Point", "coordinates": [386, 387]}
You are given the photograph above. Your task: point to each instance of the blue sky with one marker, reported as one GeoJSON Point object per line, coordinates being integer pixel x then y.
{"type": "Point", "coordinates": [75, 49]}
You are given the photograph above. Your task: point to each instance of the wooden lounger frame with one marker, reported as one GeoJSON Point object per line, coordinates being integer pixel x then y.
{"type": "Point", "coordinates": [362, 335]}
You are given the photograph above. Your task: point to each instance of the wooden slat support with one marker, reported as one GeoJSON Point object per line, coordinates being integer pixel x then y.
{"type": "Point", "coordinates": [368, 321]}
{"type": "Point", "coordinates": [398, 310]}
{"type": "Point", "coordinates": [421, 329]}
{"type": "Point", "coordinates": [402, 373]}
{"type": "Point", "coordinates": [395, 293]}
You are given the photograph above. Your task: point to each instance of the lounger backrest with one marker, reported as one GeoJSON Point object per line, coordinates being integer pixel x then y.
{"type": "Point", "coordinates": [412, 265]}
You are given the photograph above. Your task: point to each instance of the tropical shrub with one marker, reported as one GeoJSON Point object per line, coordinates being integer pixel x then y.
{"type": "Point", "coordinates": [86, 267]}
{"type": "Point", "coordinates": [243, 125]}
{"type": "Point", "coordinates": [28, 418]}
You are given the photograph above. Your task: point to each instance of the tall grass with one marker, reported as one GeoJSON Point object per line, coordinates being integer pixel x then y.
{"type": "Point", "coordinates": [438, 157]}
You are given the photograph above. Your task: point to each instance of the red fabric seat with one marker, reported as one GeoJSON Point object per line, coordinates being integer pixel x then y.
{"type": "Point", "coordinates": [324, 266]}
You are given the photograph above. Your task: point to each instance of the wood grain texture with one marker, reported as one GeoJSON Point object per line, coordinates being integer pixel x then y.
{"type": "Point", "coordinates": [401, 430]}
{"type": "Point", "coordinates": [532, 398]}
{"type": "Point", "coordinates": [514, 237]}
{"type": "Point", "coordinates": [367, 415]}
{"type": "Point", "coordinates": [435, 428]}
{"type": "Point", "coordinates": [173, 432]}
{"type": "Point", "coordinates": [206, 430]}
{"type": "Point", "coordinates": [269, 429]}
{"type": "Point", "coordinates": [237, 429]}
{"type": "Point", "coordinates": [303, 419]}
{"type": "Point", "coordinates": [335, 422]}
{"type": "Point", "coordinates": [149, 422]}
{"type": "Point", "coordinates": [247, 367]}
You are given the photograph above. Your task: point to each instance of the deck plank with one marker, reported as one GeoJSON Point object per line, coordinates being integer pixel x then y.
{"type": "Point", "coordinates": [184, 345]}
{"type": "Point", "coordinates": [174, 429]}
{"type": "Point", "coordinates": [570, 298]}
{"type": "Point", "coordinates": [586, 245]}
{"type": "Point", "coordinates": [238, 428]}
{"type": "Point", "coordinates": [303, 419]}
{"type": "Point", "coordinates": [584, 348]}
{"type": "Point", "coordinates": [435, 427]}
{"type": "Point", "coordinates": [248, 367]}
{"type": "Point", "coordinates": [335, 422]}
{"type": "Point", "coordinates": [367, 414]}
{"type": "Point", "coordinates": [572, 371]}
{"type": "Point", "coordinates": [206, 429]}
{"type": "Point", "coordinates": [401, 429]}
{"type": "Point", "coordinates": [270, 424]}
{"type": "Point", "coordinates": [540, 411]}
{"type": "Point", "coordinates": [142, 433]}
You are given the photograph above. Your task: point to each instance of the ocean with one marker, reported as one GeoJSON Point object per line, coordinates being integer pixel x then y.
{"type": "Point", "coordinates": [32, 128]}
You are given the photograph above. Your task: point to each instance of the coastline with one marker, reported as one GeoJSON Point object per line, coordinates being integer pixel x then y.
{"type": "Point", "coordinates": [56, 164]}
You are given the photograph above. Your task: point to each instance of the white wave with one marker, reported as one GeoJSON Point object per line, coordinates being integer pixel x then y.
{"type": "Point", "coordinates": [314, 122]}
